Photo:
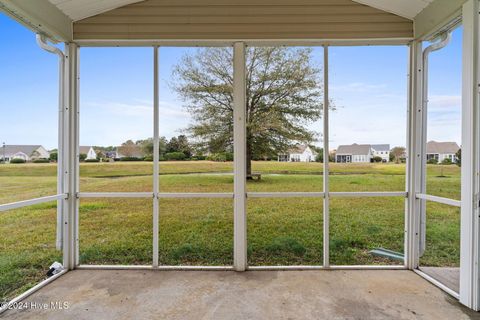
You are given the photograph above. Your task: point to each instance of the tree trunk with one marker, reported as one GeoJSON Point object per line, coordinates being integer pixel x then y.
{"type": "Point", "coordinates": [249, 159]}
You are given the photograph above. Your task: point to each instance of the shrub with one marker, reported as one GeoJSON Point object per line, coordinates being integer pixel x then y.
{"type": "Point", "coordinates": [41, 160]}
{"type": "Point", "coordinates": [92, 160]}
{"type": "Point", "coordinates": [201, 157]}
{"type": "Point", "coordinates": [148, 158]}
{"type": "Point", "coordinates": [229, 156]}
{"type": "Point", "coordinates": [130, 159]}
{"type": "Point", "coordinates": [53, 156]}
{"type": "Point", "coordinates": [17, 160]}
{"type": "Point", "coordinates": [82, 156]}
{"type": "Point", "coordinates": [221, 157]}
{"type": "Point", "coordinates": [377, 159]}
{"type": "Point", "coordinates": [432, 161]}
{"type": "Point", "coordinates": [175, 156]}
{"type": "Point", "coordinates": [447, 161]}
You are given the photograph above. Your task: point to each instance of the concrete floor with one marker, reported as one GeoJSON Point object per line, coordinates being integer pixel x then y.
{"type": "Point", "coordinates": [136, 294]}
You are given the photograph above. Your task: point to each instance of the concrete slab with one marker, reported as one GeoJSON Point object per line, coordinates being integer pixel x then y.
{"type": "Point", "coordinates": [135, 294]}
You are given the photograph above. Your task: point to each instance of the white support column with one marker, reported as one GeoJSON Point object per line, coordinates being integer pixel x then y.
{"type": "Point", "coordinates": [469, 229]}
{"type": "Point", "coordinates": [155, 158]}
{"type": "Point", "coordinates": [415, 167]}
{"type": "Point", "coordinates": [70, 152]}
{"type": "Point", "coordinates": [60, 153]}
{"type": "Point", "coordinates": [240, 165]}
{"type": "Point", "coordinates": [326, 199]}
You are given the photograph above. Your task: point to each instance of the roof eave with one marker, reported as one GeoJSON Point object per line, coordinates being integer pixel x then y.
{"type": "Point", "coordinates": [41, 17]}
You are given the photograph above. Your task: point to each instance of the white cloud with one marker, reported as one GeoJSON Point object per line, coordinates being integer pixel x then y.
{"type": "Point", "coordinates": [442, 102]}
{"type": "Point", "coordinates": [358, 87]}
{"type": "Point", "coordinates": [141, 108]}
{"type": "Point", "coordinates": [111, 123]}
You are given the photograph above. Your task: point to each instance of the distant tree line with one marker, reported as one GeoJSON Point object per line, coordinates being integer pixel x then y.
{"type": "Point", "coordinates": [175, 148]}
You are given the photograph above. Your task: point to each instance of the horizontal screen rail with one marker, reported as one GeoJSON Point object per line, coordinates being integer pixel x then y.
{"type": "Point", "coordinates": [115, 195]}
{"type": "Point", "coordinates": [228, 268]}
{"type": "Point", "coordinates": [151, 195]}
{"type": "Point", "coordinates": [249, 42]}
{"type": "Point", "coordinates": [285, 194]}
{"type": "Point", "coordinates": [228, 195]}
{"type": "Point", "coordinates": [31, 202]}
{"type": "Point", "coordinates": [323, 194]}
{"type": "Point", "coordinates": [447, 201]}
{"type": "Point", "coordinates": [150, 267]}
{"type": "Point", "coordinates": [164, 195]}
{"type": "Point", "coordinates": [368, 194]}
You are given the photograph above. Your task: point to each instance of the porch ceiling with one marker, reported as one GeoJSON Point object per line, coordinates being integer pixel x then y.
{"type": "Point", "coordinates": [81, 9]}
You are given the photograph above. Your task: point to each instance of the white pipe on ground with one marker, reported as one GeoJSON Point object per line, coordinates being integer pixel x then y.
{"type": "Point", "coordinates": [42, 43]}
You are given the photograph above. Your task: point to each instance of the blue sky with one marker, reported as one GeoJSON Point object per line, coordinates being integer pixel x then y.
{"type": "Point", "coordinates": [367, 84]}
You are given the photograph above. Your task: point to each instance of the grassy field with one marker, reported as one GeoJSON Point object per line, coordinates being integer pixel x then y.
{"type": "Point", "coordinates": [200, 231]}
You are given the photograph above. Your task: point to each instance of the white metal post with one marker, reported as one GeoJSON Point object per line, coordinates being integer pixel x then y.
{"type": "Point", "coordinates": [240, 165]}
{"type": "Point", "coordinates": [326, 153]}
{"type": "Point", "coordinates": [42, 43]}
{"type": "Point", "coordinates": [60, 153]}
{"type": "Point", "coordinates": [155, 158]}
{"type": "Point", "coordinates": [70, 149]}
{"type": "Point", "coordinates": [469, 226]}
{"type": "Point", "coordinates": [415, 165]}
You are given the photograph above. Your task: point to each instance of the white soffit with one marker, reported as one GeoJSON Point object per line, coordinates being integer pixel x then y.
{"type": "Point", "coordinates": [404, 8]}
{"type": "Point", "coordinates": [81, 9]}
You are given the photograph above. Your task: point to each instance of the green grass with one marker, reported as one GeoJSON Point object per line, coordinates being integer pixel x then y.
{"type": "Point", "coordinates": [200, 231]}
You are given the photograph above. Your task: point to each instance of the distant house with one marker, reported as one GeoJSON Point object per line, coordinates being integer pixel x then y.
{"type": "Point", "coordinates": [91, 154]}
{"type": "Point", "coordinates": [25, 152]}
{"type": "Point", "coordinates": [442, 150]}
{"type": "Point", "coordinates": [111, 154]}
{"type": "Point", "coordinates": [354, 153]}
{"type": "Point", "coordinates": [299, 153]}
{"type": "Point", "coordinates": [382, 151]}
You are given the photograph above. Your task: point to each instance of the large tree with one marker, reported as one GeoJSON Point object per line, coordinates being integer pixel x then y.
{"type": "Point", "coordinates": [283, 96]}
{"type": "Point", "coordinates": [397, 153]}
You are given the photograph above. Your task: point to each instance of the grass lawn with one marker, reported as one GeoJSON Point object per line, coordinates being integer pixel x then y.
{"type": "Point", "coordinates": [200, 231]}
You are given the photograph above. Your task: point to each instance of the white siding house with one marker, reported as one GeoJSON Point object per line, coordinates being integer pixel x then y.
{"type": "Point", "coordinates": [355, 153]}
{"type": "Point", "coordinates": [299, 153]}
{"type": "Point", "coordinates": [442, 150]}
{"type": "Point", "coordinates": [25, 152]}
{"type": "Point", "coordinates": [382, 151]}
{"type": "Point", "coordinates": [91, 154]}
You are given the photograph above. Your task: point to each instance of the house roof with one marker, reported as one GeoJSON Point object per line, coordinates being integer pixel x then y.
{"type": "Point", "coordinates": [435, 147]}
{"type": "Point", "coordinates": [381, 147]}
{"type": "Point", "coordinates": [299, 148]}
{"type": "Point", "coordinates": [13, 149]}
{"type": "Point", "coordinates": [84, 149]}
{"type": "Point", "coordinates": [81, 9]}
{"type": "Point", "coordinates": [354, 149]}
